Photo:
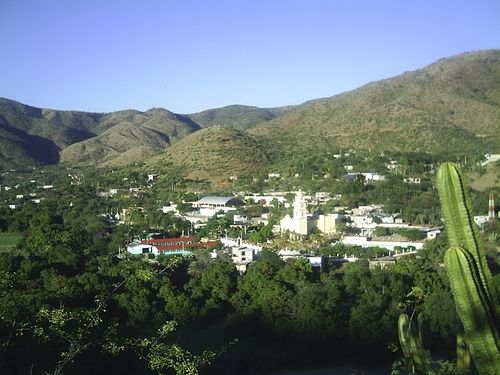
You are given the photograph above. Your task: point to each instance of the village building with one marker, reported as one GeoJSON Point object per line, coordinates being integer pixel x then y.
{"type": "Point", "coordinates": [365, 242]}
{"type": "Point", "coordinates": [168, 246]}
{"type": "Point", "coordinates": [210, 205]}
{"type": "Point", "coordinates": [242, 257]}
{"type": "Point", "coordinates": [302, 223]}
{"type": "Point", "coordinates": [413, 180]}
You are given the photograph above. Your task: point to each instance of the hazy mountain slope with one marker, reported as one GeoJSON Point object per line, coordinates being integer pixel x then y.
{"type": "Point", "coordinates": [129, 136]}
{"type": "Point", "coordinates": [239, 117]}
{"type": "Point", "coordinates": [213, 154]}
{"type": "Point", "coordinates": [450, 106]}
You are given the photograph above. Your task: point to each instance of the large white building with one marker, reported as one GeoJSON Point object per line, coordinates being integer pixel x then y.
{"type": "Point", "coordinates": [210, 205]}
{"type": "Point", "coordinates": [302, 223]}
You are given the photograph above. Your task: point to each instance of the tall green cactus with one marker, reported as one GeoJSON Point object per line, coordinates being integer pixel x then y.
{"type": "Point", "coordinates": [470, 278]}
{"type": "Point", "coordinates": [410, 338]}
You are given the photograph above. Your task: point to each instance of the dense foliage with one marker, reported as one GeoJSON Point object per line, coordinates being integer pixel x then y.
{"type": "Point", "coordinates": [69, 305]}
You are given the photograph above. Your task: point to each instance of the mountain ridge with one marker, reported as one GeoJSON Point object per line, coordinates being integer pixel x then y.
{"type": "Point", "coordinates": [451, 106]}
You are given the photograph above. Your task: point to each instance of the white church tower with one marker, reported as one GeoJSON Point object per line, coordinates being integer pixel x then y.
{"type": "Point", "coordinates": [300, 214]}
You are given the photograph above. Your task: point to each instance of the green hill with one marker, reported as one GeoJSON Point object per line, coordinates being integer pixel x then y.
{"type": "Point", "coordinates": [129, 136]}
{"type": "Point", "coordinates": [30, 135]}
{"type": "Point", "coordinates": [213, 154]}
{"type": "Point", "coordinates": [451, 106]}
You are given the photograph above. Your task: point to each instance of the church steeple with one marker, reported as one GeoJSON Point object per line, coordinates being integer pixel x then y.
{"type": "Point", "coordinates": [300, 214]}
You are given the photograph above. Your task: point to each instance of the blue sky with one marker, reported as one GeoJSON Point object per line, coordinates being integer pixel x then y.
{"type": "Point", "coordinates": [191, 55]}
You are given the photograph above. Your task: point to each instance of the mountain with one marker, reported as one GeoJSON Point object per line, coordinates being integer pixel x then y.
{"type": "Point", "coordinates": [30, 135]}
{"type": "Point", "coordinates": [213, 154]}
{"type": "Point", "coordinates": [451, 106]}
{"type": "Point", "coordinates": [129, 136]}
{"type": "Point", "coordinates": [239, 117]}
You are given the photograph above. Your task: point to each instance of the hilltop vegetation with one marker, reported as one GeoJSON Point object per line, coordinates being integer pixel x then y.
{"type": "Point", "coordinates": [451, 105]}
{"type": "Point", "coordinates": [239, 117]}
{"type": "Point", "coordinates": [213, 154]}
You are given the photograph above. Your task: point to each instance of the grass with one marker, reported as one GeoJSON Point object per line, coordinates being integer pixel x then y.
{"type": "Point", "coordinates": [10, 240]}
{"type": "Point", "coordinates": [486, 181]}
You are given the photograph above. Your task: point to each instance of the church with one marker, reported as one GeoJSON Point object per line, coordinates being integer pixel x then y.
{"type": "Point", "coordinates": [302, 223]}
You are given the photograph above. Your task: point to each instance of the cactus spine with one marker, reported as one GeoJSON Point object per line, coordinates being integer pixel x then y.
{"type": "Point", "coordinates": [470, 278]}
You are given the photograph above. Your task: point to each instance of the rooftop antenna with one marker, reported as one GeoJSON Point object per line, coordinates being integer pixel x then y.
{"type": "Point", "coordinates": [491, 207]}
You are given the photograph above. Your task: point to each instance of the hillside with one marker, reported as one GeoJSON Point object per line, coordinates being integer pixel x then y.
{"type": "Point", "coordinates": [129, 136]}
{"type": "Point", "coordinates": [213, 154]}
{"type": "Point", "coordinates": [30, 135]}
{"type": "Point", "coordinates": [238, 117]}
{"type": "Point", "coordinates": [451, 106]}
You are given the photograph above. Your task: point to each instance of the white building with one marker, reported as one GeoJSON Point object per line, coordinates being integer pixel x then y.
{"type": "Point", "coordinates": [389, 245]}
{"type": "Point", "coordinates": [210, 205]}
{"type": "Point", "coordinates": [172, 208]}
{"type": "Point", "coordinates": [301, 223]}
{"type": "Point", "coordinates": [242, 257]}
{"type": "Point", "coordinates": [481, 220]}
{"type": "Point", "coordinates": [141, 248]}
{"type": "Point", "coordinates": [413, 180]}
{"type": "Point", "coordinates": [369, 176]}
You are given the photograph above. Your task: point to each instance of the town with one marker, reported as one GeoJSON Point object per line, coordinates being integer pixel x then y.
{"type": "Point", "coordinates": [341, 224]}
{"type": "Point", "coordinates": [328, 253]}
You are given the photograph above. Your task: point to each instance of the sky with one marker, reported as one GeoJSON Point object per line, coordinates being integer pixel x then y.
{"type": "Point", "coordinates": [192, 55]}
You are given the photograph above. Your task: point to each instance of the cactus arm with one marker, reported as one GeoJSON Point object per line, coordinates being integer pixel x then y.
{"type": "Point", "coordinates": [411, 344]}
{"type": "Point", "coordinates": [404, 333]}
{"type": "Point", "coordinates": [473, 310]}
{"type": "Point", "coordinates": [460, 226]}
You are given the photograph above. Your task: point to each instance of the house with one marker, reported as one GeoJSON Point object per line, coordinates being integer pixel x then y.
{"type": "Point", "coordinates": [370, 176]}
{"type": "Point", "coordinates": [172, 208]}
{"type": "Point", "coordinates": [432, 234]}
{"type": "Point", "coordinates": [480, 220]}
{"type": "Point", "coordinates": [365, 242]}
{"type": "Point", "coordinates": [275, 175]}
{"type": "Point", "coordinates": [242, 257]}
{"type": "Point", "coordinates": [413, 180]}
{"type": "Point", "coordinates": [393, 165]}
{"type": "Point", "coordinates": [168, 246]}
{"type": "Point", "coordinates": [138, 248]}
{"type": "Point", "coordinates": [322, 196]}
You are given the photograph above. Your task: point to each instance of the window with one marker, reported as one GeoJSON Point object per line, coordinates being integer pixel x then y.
{"type": "Point", "coordinates": [145, 250]}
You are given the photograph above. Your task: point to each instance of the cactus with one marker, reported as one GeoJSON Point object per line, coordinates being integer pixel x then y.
{"type": "Point", "coordinates": [410, 338]}
{"type": "Point", "coordinates": [470, 278]}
